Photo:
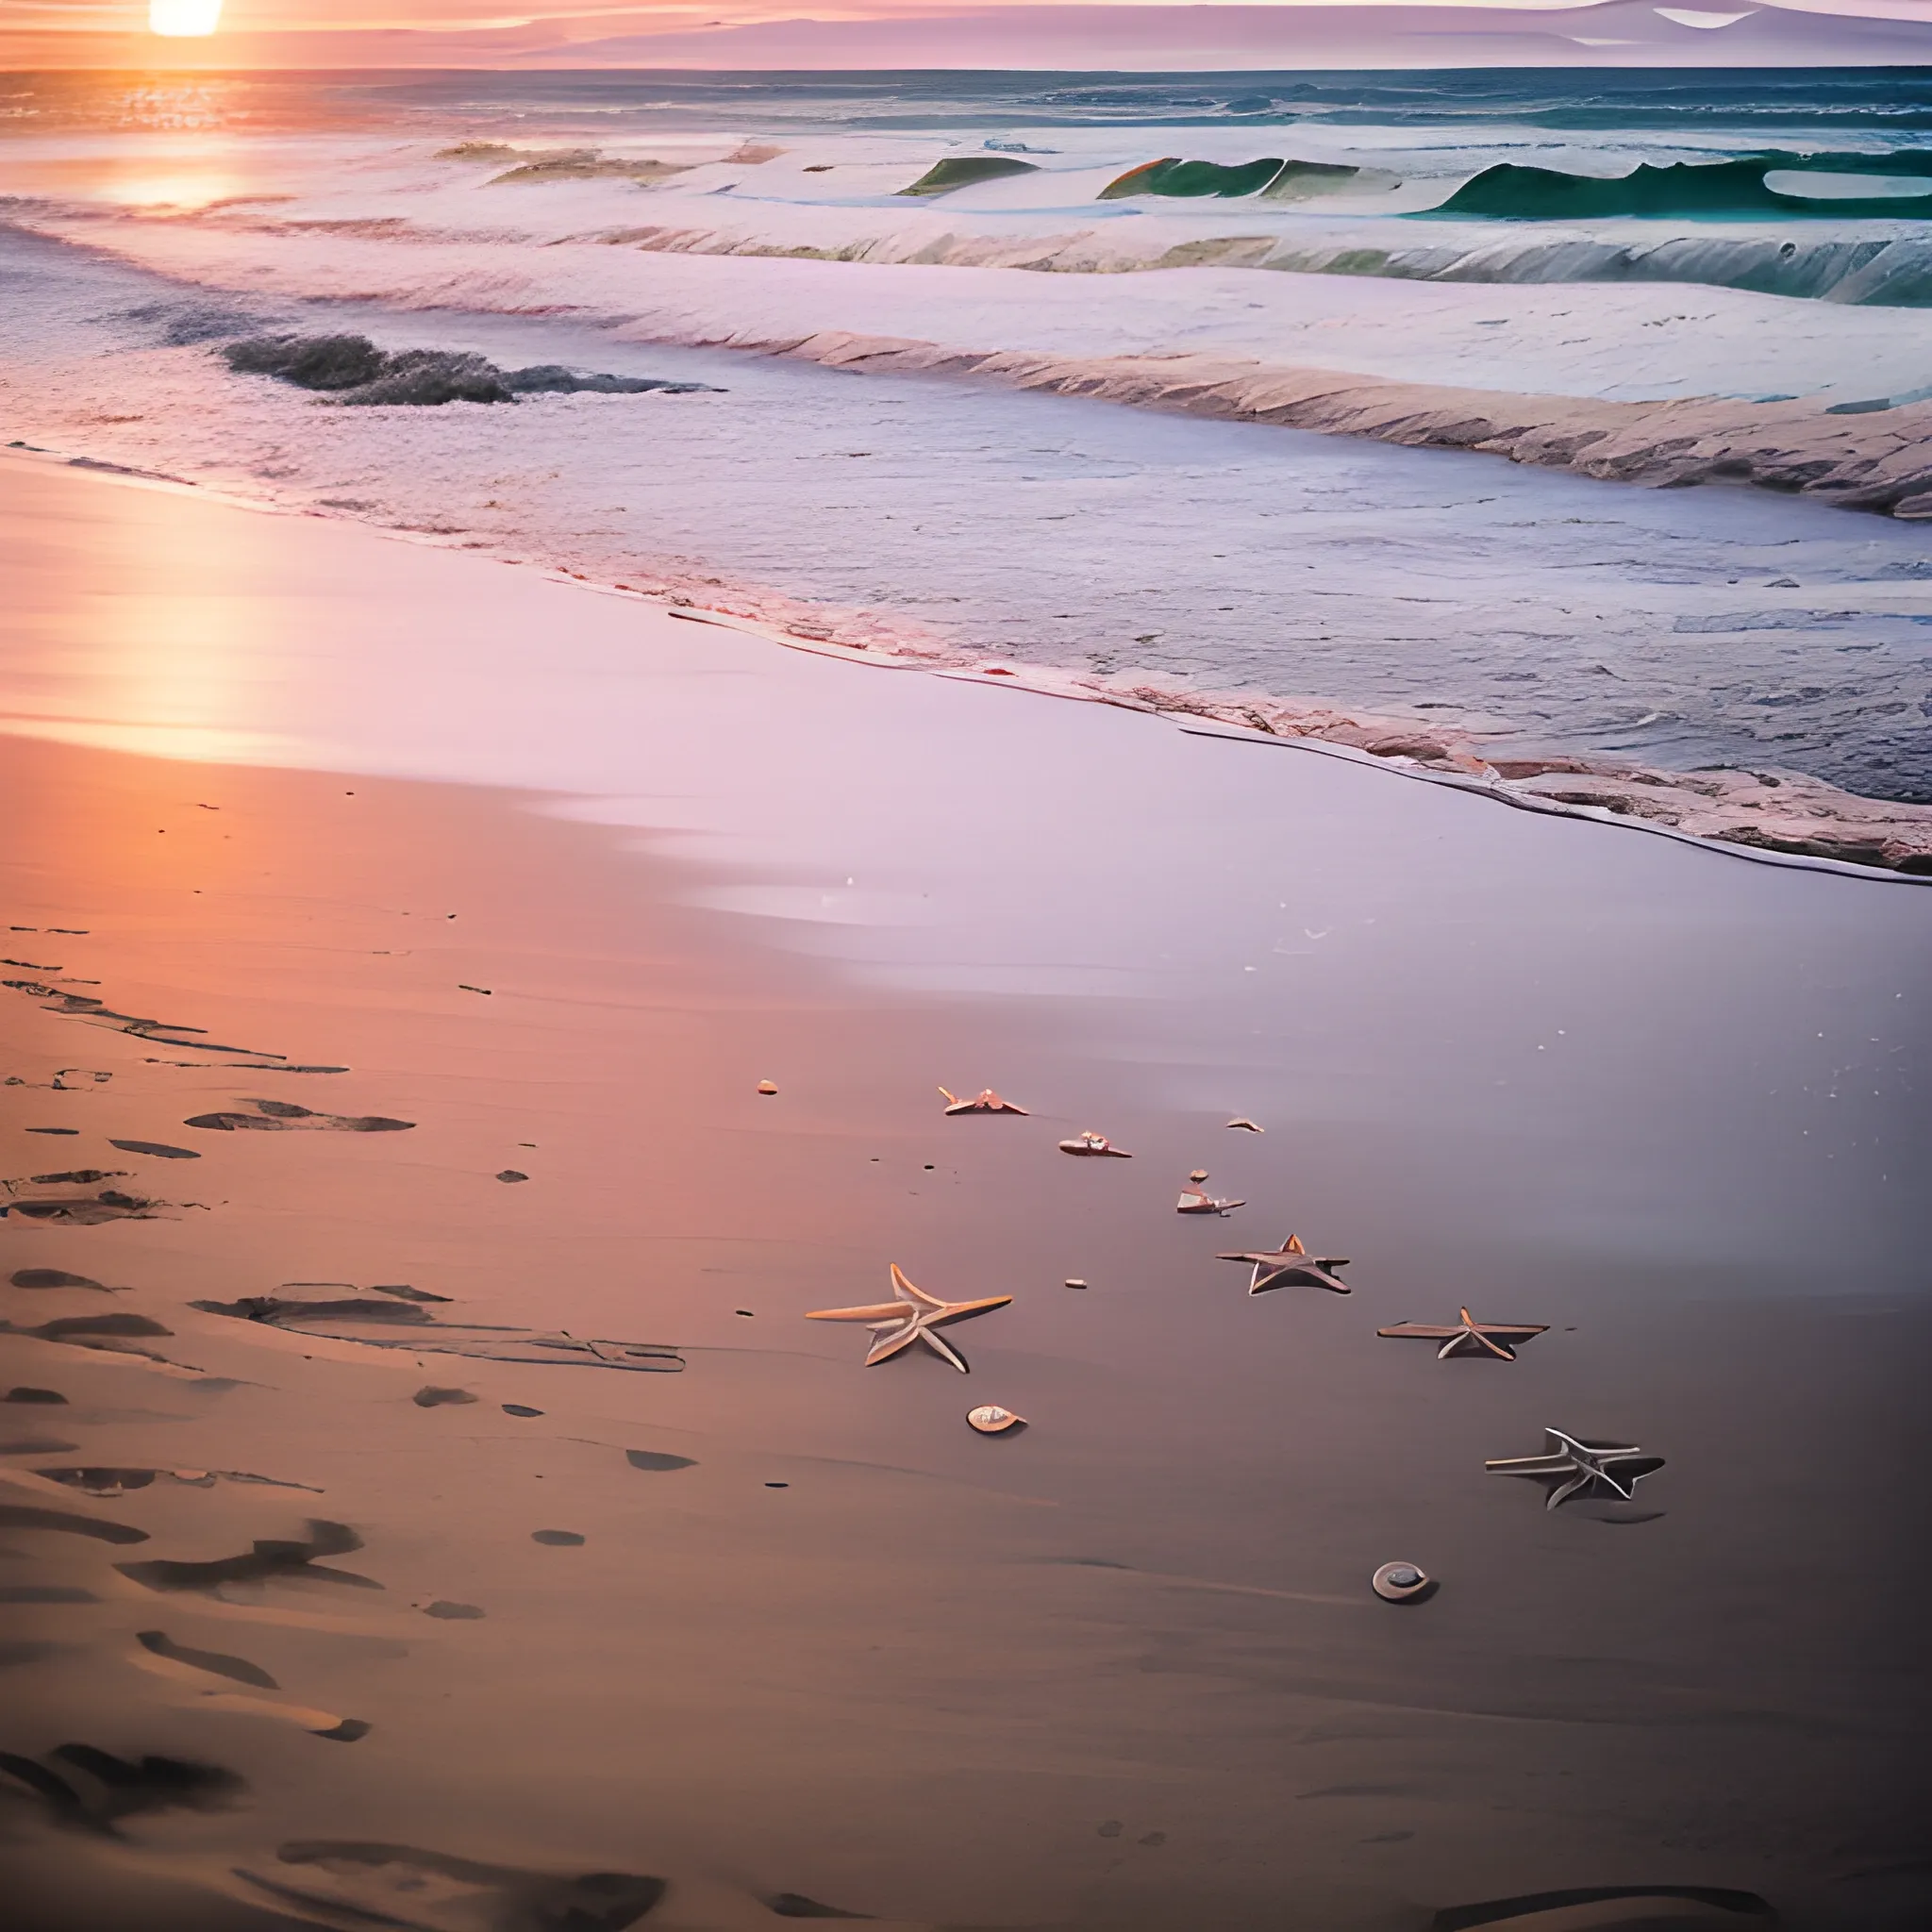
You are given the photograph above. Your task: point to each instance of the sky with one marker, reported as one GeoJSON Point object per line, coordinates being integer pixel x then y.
{"type": "Point", "coordinates": [947, 33]}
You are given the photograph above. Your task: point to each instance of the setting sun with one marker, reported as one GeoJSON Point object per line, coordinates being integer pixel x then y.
{"type": "Point", "coordinates": [183, 19]}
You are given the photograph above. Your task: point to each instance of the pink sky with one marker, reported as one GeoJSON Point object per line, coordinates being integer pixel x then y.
{"type": "Point", "coordinates": [944, 33]}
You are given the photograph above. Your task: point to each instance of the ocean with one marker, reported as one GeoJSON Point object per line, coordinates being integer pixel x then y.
{"type": "Point", "coordinates": [900, 293]}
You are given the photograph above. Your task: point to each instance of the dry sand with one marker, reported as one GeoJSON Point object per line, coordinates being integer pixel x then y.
{"type": "Point", "coordinates": [819, 1641]}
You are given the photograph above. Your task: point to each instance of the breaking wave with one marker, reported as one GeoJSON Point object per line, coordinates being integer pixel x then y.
{"type": "Point", "coordinates": [1511, 192]}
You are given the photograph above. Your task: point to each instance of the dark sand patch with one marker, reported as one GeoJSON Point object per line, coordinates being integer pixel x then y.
{"type": "Point", "coordinates": [54, 1277]}
{"type": "Point", "coordinates": [794, 1904]}
{"type": "Point", "coordinates": [284, 1116]}
{"type": "Point", "coordinates": [30, 1395]}
{"type": "Point", "coordinates": [162, 1032]}
{"type": "Point", "coordinates": [100, 1481]}
{"type": "Point", "coordinates": [272, 1559]}
{"type": "Point", "coordinates": [38, 1446]}
{"type": "Point", "coordinates": [45, 1593]}
{"type": "Point", "coordinates": [412, 1326]}
{"type": "Point", "coordinates": [218, 1663]}
{"type": "Point", "coordinates": [32, 1516]}
{"type": "Point", "coordinates": [83, 1327]}
{"type": "Point", "coordinates": [557, 1538]}
{"type": "Point", "coordinates": [453, 1612]}
{"type": "Point", "coordinates": [120, 1787]}
{"type": "Point", "coordinates": [1632, 1917]}
{"type": "Point", "coordinates": [88, 1210]}
{"type": "Point", "coordinates": [159, 1149]}
{"type": "Point", "coordinates": [384, 1885]}
{"type": "Point", "coordinates": [112, 1480]}
{"type": "Point", "coordinates": [111, 1334]}
{"type": "Point", "coordinates": [430, 1396]}
{"type": "Point", "coordinates": [657, 1459]}
{"type": "Point", "coordinates": [519, 1408]}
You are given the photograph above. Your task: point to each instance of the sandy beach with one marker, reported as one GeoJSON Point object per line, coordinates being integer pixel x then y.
{"type": "Point", "coordinates": [432, 1449]}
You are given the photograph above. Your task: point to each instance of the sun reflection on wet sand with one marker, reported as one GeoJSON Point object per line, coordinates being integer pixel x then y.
{"type": "Point", "coordinates": [169, 654]}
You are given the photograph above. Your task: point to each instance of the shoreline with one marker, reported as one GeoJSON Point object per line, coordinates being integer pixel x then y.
{"type": "Point", "coordinates": [1764, 813]}
{"type": "Point", "coordinates": [819, 1640]}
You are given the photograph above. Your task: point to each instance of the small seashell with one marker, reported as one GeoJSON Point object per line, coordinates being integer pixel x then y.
{"type": "Point", "coordinates": [1401, 1583]}
{"type": "Point", "coordinates": [1090, 1142]}
{"type": "Point", "coordinates": [989, 1419]}
{"type": "Point", "coordinates": [1196, 1200]}
{"type": "Point", "coordinates": [1075, 1281]}
{"type": "Point", "coordinates": [768, 1085]}
{"type": "Point", "coordinates": [985, 1101]}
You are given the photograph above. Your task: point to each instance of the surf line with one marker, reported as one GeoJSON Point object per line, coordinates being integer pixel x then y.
{"type": "Point", "coordinates": [1031, 680]}
{"type": "Point", "coordinates": [1592, 814]}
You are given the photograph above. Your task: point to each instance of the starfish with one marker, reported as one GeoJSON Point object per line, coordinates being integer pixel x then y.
{"type": "Point", "coordinates": [985, 1101]}
{"type": "Point", "coordinates": [1575, 1469]}
{"type": "Point", "coordinates": [1469, 1337]}
{"type": "Point", "coordinates": [912, 1316]}
{"type": "Point", "coordinates": [1290, 1265]}
{"type": "Point", "coordinates": [1090, 1142]}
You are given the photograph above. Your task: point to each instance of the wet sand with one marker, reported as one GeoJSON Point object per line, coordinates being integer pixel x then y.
{"type": "Point", "coordinates": [556, 882]}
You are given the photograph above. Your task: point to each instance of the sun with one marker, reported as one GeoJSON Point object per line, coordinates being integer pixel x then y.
{"type": "Point", "coordinates": [183, 19]}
